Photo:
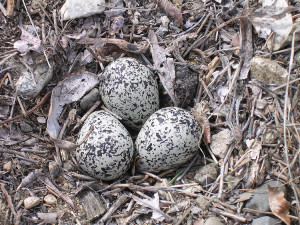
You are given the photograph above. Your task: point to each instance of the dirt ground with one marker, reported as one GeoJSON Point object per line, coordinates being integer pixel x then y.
{"type": "Point", "coordinates": [220, 60]}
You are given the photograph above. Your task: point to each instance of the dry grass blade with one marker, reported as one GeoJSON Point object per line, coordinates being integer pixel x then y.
{"type": "Point", "coordinates": [279, 205]}
{"type": "Point", "coordinates": [172, 10]}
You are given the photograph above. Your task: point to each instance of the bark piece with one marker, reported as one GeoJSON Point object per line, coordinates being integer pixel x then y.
{"type": "Point", "coordinates": [92, 204]}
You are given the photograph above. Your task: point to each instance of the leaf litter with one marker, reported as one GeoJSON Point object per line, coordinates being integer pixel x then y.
{"type": "Point", "coordinates": [214, 40]}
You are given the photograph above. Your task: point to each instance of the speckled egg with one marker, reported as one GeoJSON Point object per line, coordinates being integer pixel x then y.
{"type": "Point", "coordinates": [169, 138]}
{"type": "Point", "coordinates": [129, 89]}
{"type": "Point", "coordinates": [108, 150]}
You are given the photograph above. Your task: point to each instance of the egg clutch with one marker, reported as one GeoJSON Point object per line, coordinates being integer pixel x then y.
{"type": "Point", "coordinates": [167, 137]}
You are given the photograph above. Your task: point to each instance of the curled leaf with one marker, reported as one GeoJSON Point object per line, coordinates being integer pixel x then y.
{"type": "Point", "coordinates": [279, 205]}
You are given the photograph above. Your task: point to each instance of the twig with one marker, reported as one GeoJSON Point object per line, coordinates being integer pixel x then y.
{"type": "Point", "coordinates": [199, 41]}
{"type": "Point", "coordinates": [114, 207]}
{"type": "Point", "coordinates": [37, 35]}
{"type": "Point", "coordinates": [286, 102]}
{"type": "Point", "coordinates": [8, 199]}
{"type": "Point", "coordinates": [10, 7]}
{"type": "Point", "coordinates": [7, 57]}
{"type": "Point", "coordinates": [29, 111]}
{"type": "Point", "coordinates": [233, 216]}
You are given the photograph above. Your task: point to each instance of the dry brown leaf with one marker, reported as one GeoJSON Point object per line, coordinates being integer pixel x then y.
{"type": "Point", "coordinates": [164, 65]}
{"type": "Point", "coordinates": [171, 9]}
{"type": "Point", "coordinates": [279, 205]}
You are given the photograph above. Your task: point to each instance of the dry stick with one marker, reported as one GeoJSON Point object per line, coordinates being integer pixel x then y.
{"type": "Point", "coordinates": [286, 102]}
{"type": "Point", "coordinates": [29, 111]}
{"type": "Point", "coordinates": [10, 8]}
{"type": "Point", "coordinates": [8, 199]}
{"type": "Point", "coordinates": [186, 213]}
{"type": "Point", "coordinates": [37, 35]}
{"type": "Point", "coordinates": [223, 169]}
{"type": "Point", "coordinates": [114, 207]}
{"type": "Point", "coordinates": [233, 216]}
{"type": "Point", "coordinates": [3, 10]}
{"type": "Point", "coordinates": [7, 57]}
{"type": "Point", "coordinates": [202, 39]}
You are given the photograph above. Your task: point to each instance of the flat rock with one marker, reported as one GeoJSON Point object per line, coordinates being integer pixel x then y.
{"type": "Point", "coordinates": [73, 9]}
{"type": "Point", "coordinates": [265, 220]}
{"type": "Point", "coordinates": [220, 141]}
{"type": "Point", "coordinates": [267, 71]}
{"type": "Point", "coordinates": [260, 199]}
{"type": "Point", "coordinates": [213, 221]}
{"type": "Point", "coordinates": [207, 174]}
{"type": "Point", "coordinates": [30, 87]}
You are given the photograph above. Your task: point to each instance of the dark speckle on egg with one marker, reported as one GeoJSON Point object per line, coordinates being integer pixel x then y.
{"type": "Point", "coordinates": [169, 138]}
{"type": "Point", "coordinates": [129, 89]}
{"type": "Point", "coordinates": [107, 152]}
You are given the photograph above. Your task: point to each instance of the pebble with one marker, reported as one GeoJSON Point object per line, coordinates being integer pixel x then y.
{"type": "Point", "coordinates": [50, 199]}
{"type": "Point", "coordinates": [73, 9]}
{"type": "Point", "coordinates": [219, 143]}
{"type": "Point", "coordinates": [206, 174]}
{"type": "Point", "coordinates": [202, 202]}
{"type": "Point", "coordinates": [25, 127]}
{"type": "Point", "coordinates": [213, 221]}
{"type": "Point", "coordinates": [7, 166]}
{"type": "Point", "coordinates": [267, 71]}
{"type": "Point", "coordinates": [26, 86]}
{"type": "Point", "coordinates": [265, 220]}
{"type": "Point", "coordinates": [260, 199]}
{"type": "Point", "coordinates": [90, 99]}
{"type": "Point", "coordinates": [31, 202]}
{"type": "Point", "coordinates": [41, 119]}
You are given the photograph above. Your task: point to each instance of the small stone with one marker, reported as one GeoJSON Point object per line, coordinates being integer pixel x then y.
{"type": "Point", "coordinates": [26, 86]}
{"type": "Point", "coordinates": [213, 221]}
{"type": "Point", "coordinates": [90, 99]}
{"type": "Point", "coordinates": [54, 169]}
{"type": "Point", "coordinates": [50, 199]}
{"type": "Point", "coordinates": [265, 220]}
{"type": "Point", "coordinates": [220, 142]}
{"type": "Point", "coordinates": [25, 127]}
{"type": "Point", "coordinates": [41, 120]}
{"type": "Point", "coordinates": [206, 174]}
{"type": "Point", "coordinates": [73, 9]}
{"type": "Point", "coordinates": [7, 166]}
{"type": "Point", "coordinates": [31, 202]}
{"type": "Point", "coordinates": [260, 199]}
{"type": "Point", "coordinates": [202, 202]}
{"type": "Point", "coordinates": [267, 71]}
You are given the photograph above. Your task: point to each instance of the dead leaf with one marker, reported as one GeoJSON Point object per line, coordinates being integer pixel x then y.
{"type": "Point", "coordinates": [279, 205]}
{"type": "Point", "coordinates": [171, 9]}
{"type": "Point", "coordinates": [125, 45]}
{"type": "Point", "coordinates": [164, 66]}
{"type": "Point", "coordinates": [70, 90]}
{"type": "Point", "coordinates": [28, 42]}
{"type": "Point", "coordinates": [243, 197]}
